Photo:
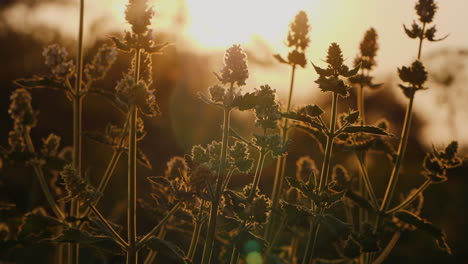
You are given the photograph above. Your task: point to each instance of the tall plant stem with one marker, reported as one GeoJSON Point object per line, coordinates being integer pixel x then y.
{"type": "Point", "coordinates": [280, 167]}
{"type": "Point", "coordinates": [118, 150]}
{"type": "Point", "coordinates": [210, 235]}
{"type": "Point", "coordinates": [196, 233]}
{"type": "Point", "coordinates": [132, 253]}
{"type": "Point", "coordinates": [42, 181]}
{"type": "Point", "coordinates": [73, 249]}
{"type": "Point", "coordinates": [323, 181]}
{"type": "Point", "coordinates": [258, 172]}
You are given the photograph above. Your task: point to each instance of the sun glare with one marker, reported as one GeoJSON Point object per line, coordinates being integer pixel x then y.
{"type": "Point", "coordinates": [219, 23]}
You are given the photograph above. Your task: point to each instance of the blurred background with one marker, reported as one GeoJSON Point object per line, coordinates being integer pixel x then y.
{"type": "Point", "coordinates": [200, 31]}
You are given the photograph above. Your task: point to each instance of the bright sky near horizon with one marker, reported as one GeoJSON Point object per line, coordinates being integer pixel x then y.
{"type": "Point", "coordinates": [210, 26]}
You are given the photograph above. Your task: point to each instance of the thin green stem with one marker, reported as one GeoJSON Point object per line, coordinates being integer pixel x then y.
{"type": "Point", "coordinates": [257, 175]}
{"type": "Point", "coordinates": [132, 252]}
{"type": "Point", "coordinates": [153, 231]}
{"type": "Point", "coordinates": [118, 239]}
{"type": "Point", "coordinates": [73, 249]}
{"type": "Point", "coordinates": [196, 233]}
{"type": "Point", "coordinates": [411, 198]}
{"type": "Point", "coordinates": [323, 182]}
{"type": "Point", "coordinates": [388, 249]}
{"type": "Point", "coordinates": [280, 167]}
{"type": "Point", "coordinates": [367, 182]}
{"type": "Point", "coordinates": [210, 235]}
{"type": "Point", "coordinates": [42, 181]}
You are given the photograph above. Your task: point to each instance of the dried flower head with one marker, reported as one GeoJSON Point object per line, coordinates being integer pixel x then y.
{"type": "Point", "coordinates": [426, 10]}
{"type": "Point", "coordinates": [137, 93]}
{"type": "Point", "coordinates": [335, 56]}
{"type": "Point", "coordinates": [77, 187]}
{"type": "Point", "coordinates": [436, 163]}
{"type": "Point", "coordinates": [341, 178]}
{"type": "Point", "coordinates": [235, 69]}
{"type": "Point", "coordinates": [50, 145]}
{"type": "Point", "coordinates": [56, 58]}
{"type": "Point", "coordinates": [21, 110]}
{"type": "Point", "coordinates": [139, 15]}
{"type": "Point", "coordinates": [176, 167]}
{"type": "Point", "coordinates": [267, 109]}
{"type": "Point", "coordinates": [217, 93]}
{"type": "Point", "coordinates": [368, 49]}
{"type": "Point", "coordinates": [305, 169]}
{"type": "Point", "coordinates": [16, 140]}
{"type": "Point", "coordinates": [415, 75]}
{"type": "Point", "coordinates": [298, 35]}
{"type": "Point", "coordinates": [240, 155]}
{"type": "Point", "coordinates": [101, 63]}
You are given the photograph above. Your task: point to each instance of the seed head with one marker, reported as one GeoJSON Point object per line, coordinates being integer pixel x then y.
{"type": "Point", "coordinates": [426, 10]}
{"type": "Point", "coordinates": [50, 145]}
{"type": "Point", "coordinates": [240, 157]}
{"type": "Point", "coordinates": [415, 74]}
{"type": "Point", "coordinates": [335, 56]}
{"type": "Point", "coordinates": [298, 35]}
{"type": "Point", "coordinates": [56, 58]}
{"type": "Point", "coordinates": [77, 187]}
{"type": "Point", "coordinates": [176, 168]}
{"type": "Point", "coordinates": [101, 63]}
{"type": "Point", "coordinates": [235, 69]}
{"type": "Point", "coordinates": [16, 140]}
{"type": "Point", "coordinates": [139, 15]}
{"type": "Point", "coordinates": [21, 110]}
{"type": "Point", "coordinates": [305, 169]}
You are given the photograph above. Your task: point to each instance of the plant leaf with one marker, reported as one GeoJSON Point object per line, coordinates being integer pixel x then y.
{"type": "Point", "coordinates": [366, 129]}
{"type": "Point", "coordinates": [167, 249]}
{"type": "Point", "coordinates": [426, 226]}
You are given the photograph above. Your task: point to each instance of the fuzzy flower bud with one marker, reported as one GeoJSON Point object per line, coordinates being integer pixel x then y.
{"type": "Point", "coordinates": [137, 93]}
{"type": "Point", "coordinates": [176, 168]}
{"type": "Point", "coordinates": [21, 110]}
{"type": "Point", "coordinates": [138, 15]}
{"type": "Point", "coordinates": [235, 69]}
{"type": "Point", "coordinates": [335, 56]}
{"type": "Point", "coordinates": [298, 35]}
{"type": "Point", "coordinates": [16, 141]}
{"type": "Point", "coordinates": [56, 58]}
{"type": "Point", "coordinates": [368, 48]}
{"type": "Point", "coordinates": [415, 74]}
{"type": "Point", "coordinates": [426, 10]}
{"type": "Point", "coordinates": [77, 187]}
{"type": "Point", "coordinates": [267, 110]}
{"type": "Point", "coordinates": [340, 178]}
{"type": "Point", "coordinates": [50, 145]}
{"type": "Point", "coordinates": [305, 168]}
{"type": "Point", "coordinates": [217, 93]}
{"type": "Point", "coordinates": [101, 63]}
{"type": "Point", "coordinates": [240, 156]}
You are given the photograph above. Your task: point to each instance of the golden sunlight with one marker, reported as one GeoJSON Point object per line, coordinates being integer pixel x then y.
{"type": "Point", "coordinates": [219, 23]}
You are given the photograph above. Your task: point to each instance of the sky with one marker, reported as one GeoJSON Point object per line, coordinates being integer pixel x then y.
{"type": "Point", "coordinates": [260, 26]}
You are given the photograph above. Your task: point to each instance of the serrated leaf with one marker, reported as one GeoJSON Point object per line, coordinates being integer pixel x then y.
{"type": "Point", "coordinates": [167, 249]}
{"type": "Point", "coordinates": [99, 137]}
{"type": "Point", "coordinates": [359, 200]}
{"type": "Point", "coordinates": [352, 117]}
{"type": "Point", "coordinates": [280, 59]}
{"type": "Point", "coordinates": [338, 227]}
{"type": "Point", "coordinates": [303, 188]}
{"type": "Point", "coordinates": [73, 235]}
{"type": "Point", "coordinates": [302, 118]}
{"type": "Point", "coordinates": [143, 159]}
{"type": "Point", "coordinates": [120, 45]}
{"type": "Point", "coordinates": [39, 226]}
{"type": "Point", "coordinates": [322, 72]}
{"type": "Point", "coordinates": [366, 129]}
{"type": "Point", "coordinates": [246, 102]}
{"type": "Point", "coordinates": [352, 72]}
{"type": "Point", "coordinates": [426, 226]}
{"type": "Point", "coordinates": [42, 82]}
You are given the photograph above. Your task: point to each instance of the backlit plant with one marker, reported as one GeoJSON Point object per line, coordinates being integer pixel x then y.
{"type": "Point", "coordinates": [321, 205]}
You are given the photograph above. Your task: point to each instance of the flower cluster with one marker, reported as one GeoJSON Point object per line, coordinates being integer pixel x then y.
{"type": "Point", "coordinates": [298, 39]}
{"type": "Point", "coordinates": [21, 110]}
{"type": "Point", "coordinates": [101, 63]}
{"type": "Point", "coordinates": [306, 169]}
{"type": "Point", "coordinates": [415, 75]}
{"type": "Point", "coordinates": [77, 187]}
{"type": "Point", "coordinates": [235, 69]}
{"type": "Point", "coordinates": [329, 78]}
{"type": "Point", "coordinates": [426, 10]}
{"type": "Point", "coordinates": [138, 94]}
{"type": "Point", "coordinates": [436, 163]}
{"type": "Point", "coordinates": [368, 50]}
{"type": "Point", "coordinates": [56, 58]}
{"type": "Point", "coordinates": [50, 145]}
